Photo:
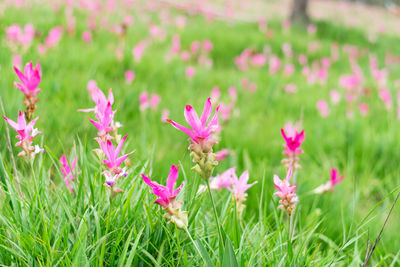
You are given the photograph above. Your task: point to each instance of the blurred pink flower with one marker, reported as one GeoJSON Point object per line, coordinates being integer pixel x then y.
{"type": "Point", "coordinates": [363, 108]}
{"type": "Point", "coordinates": [215, 94]}
{"type": "Point", "coordinates": [129, 76]}
{"type": "Point", "coordinates": [54, 37]}
{"type": "Point", "coordinates": [17, 61]}
{"type": "Point", "coordinates": [221, 155]}
{"type": "Point", "coordinates": [290, 88]}
{"type": "Point", "coordinates": [87, 36]}
{"type": "Point", "coordinates": [239, 185]}
{"type": "Point", "coordinates": [164, 115]}
{"type": "Point", "coordinates": [67, 170]}
{"type": "Point", "coordinates": [30, 79]}
{"type": "Point", "coordinates": [288, 70]}
{"type": "Point", "coordinates": [138, 50]}
{"type": "Point", "coordinates": [176, 44]}
{"type": "Point", "coordinates": [311, 29]}
{"type": "Point", "coordinates": [185, 55]}
{"type": "Point", "coordinates": [194, 47]}
{"type": "Point", "coordinates": [207, 45]}
{"type": "Point", "coordinates": [323, 108]}
{"type": "Point", "coordinates": [190, 71]}
{"type": "Point", "coordinates": [154, 101]}
{"type": "Point", "coordinates": [330, 185]}
{"type": "Point", "coordinates": [274, 64]}
{"type": "Point", "coordinates": [223, 180]}
{"type": "Point", "coordinates": [335, 96]}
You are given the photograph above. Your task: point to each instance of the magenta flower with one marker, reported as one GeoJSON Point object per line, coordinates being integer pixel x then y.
{"type": "Point", "coordinates": [67, 170]}
{"type": "Point", "coordinates": [166, 193]}
{"type": "Point", "coordinates": [105, 119]}
{"type": "Point", "coordinates": [239, 186]}
{"type": "Point", "coordinates": [330, 185]}
{"type": "Point", "coordinates": [221, 155]}
{"type": "Point", "coordinates": [201, 131]}
{"type": "Point", "coordinates": [286, 192]}
{"type": "Point", "coordinates": [30, 79]}
{"type": "Point", "coordinates": [26, 133]}
{"type": "Point", "coordinates": [293, 142]}
{"type": "Point", "coordinates": [113, 162]}
{"type": "Point", "coordinates": [224, 179]}
{"type": "Point", "coordinates": [167, 198]}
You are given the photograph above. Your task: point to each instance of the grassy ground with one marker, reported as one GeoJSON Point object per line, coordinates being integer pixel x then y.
{"type": "Point", "coordinates": [45, 225]}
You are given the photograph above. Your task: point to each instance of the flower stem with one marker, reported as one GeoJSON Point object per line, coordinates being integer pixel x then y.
{"type": "Point", "coordinates": [194, 243]}
{"type": "Point", "coordinates": [215, 213]}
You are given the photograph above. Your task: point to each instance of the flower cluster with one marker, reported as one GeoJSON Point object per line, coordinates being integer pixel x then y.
{"type": "Point", "coordinates": [293, 140]}
{"type": "Point", "coordinates": [286, 192]}
{"type": "Point", "coordinates": [107, 131]}
{"type": "Point", "coordinates": [202, 136]}
{"type": "Point", "coordinates": [167, 198]}
{"type": "Point", "coordinates": [26, 134]}
{"type": "Point", "coordinates": [30, 80]}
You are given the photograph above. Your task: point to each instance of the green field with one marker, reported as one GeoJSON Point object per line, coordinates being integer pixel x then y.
{"type": "Point", "coordinates": [45, 225]}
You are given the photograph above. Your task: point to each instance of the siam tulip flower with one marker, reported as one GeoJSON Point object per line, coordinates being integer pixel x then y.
{"type": "Point", "coordinates": [154, 101]}
{"type": "Point", "coordinates": [17, 61]}
{"type": "Point", "coordinates": [164, 115]}
{"type": "Point", "coordinates": [207, 45]}
{"type": "Point", "coordinates": [303, 59]}
{"type": "Point", "coordinates": [113, 162]}
{"type": "Point", "coordinates": [287, 50]}
{"type": "Point", "coordinates": [286, 193]}
{"type": "Point", "coordinates": [311, 29]}
{"type": "Point", "coordinates": [220, 181]}
{"type": "Point", "coordinates": [239, 187]}
{"type": "Point", "coordinates": [138, 50]}
{"type": "Point", "coordinates": [67, 170]}
{"type": "Point", "coordinates": [202, 136]}
{"type": "Point", "coordinates": [215, 94]}
{"type": "Point", "coordinates": [330, 185]}
{"type": "Point", "coordinates": [176, 44]}
{"type": "Point", "coordinates": [26, 134]}
{"type": "Point", "coordinates": [323, 108]}
{"type": "Point", "coordinates": [288, 69]}
{"type": "Point", "coordinates": [258, 60]}
{"type": "Point", "coordinates": [103, 124]}
{"type": "Point", "coordinates": [54, 37]}
{"type": "Point", "coordinates": [144, 101]}
{"type": "Point", "coordinates": [225, 111]}
{"type": "Point", "coordinates": [232, 93]}
{"type": "Point", "coordinates": [274, 64]}
{"type": "Point", "coordinates": [363, 107]}
{"type": "Point", "coordinates": [386, 97]}
{"type": "Point", "coordinates": [292, 148]}
{"type": "Point", "coordinates": [30, 80]}
{"type": "Point", "coordinates": [290, 88]}
{"type": "Point", "coordinates": [167, 198]}
{"type": "Point", "coordinates": [195, 47]}
{"type": "Point", "coordinates": [185, 56]}
{"type": "Point", "coordinates": [190, 72]}
{"type": "Point", "coordinates": [129, 76]}
{"type": "Point", "coordinates": [221, 155]}
{"type": "Point", "coordinates": [87, 37]}
{"type": "Point", "coordinates": [335, 96]}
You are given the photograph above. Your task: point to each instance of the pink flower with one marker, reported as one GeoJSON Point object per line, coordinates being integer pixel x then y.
{"type": "Point", "coordinates": [17, 61]}
{"type": "Point", "coordinates": [258, 60]}
{"type": "Point", "coordinates": [363, 108]}
{"type": "Point", "coordinates": [286, 192]}
{"type": "Point", "coordinates": [330, 185]}
{"type": "Point", "coordinates": [303, 59]}
{"type": "Point", "coordinates": [288, 70]}
{"type": "Point", "coordinates": [87, 36]}
{"type": "Point", "coordinates": [105, 119]}
{"type": "Point", "coordinates": [239, 186]}
{"type": "Point", "coordinates": [185, 56]}
{"type": "Point", "coordinates": [335, 96]}
{"type": "Point", "coordinates": [194, 47]}
{"type": "Point", "coordinates": [164, 115]}
{"type": "Point", "coordinates": [215, 94]}
{"type": "Point", "coordinates": [311, 29]}
{"type": "Point", "coordinates": [113, 162]}
{"type": "Point", "coordinates": [138, 50]}
{"type": "Point", "coordinates": [129, 76]}
{"type": "Point", "coordinates": [176, 44]}
{"type": "Point", "coordinates": [221, 155]}
{"type": "Point", "coordinates": [26, 133]}
{"type": "Point", "coordinates": [190, 71]}
{"type": "Point", "coordinates": [290, 88]}
{"type": "Point", "coordinates": [200, 130]}
{"type": "Point", "coordinates": [293, 143]}
{"type": "Point", "coordinates": [167, 193]}
{"type": "Point", "coordinates": [66, 170]}
{"type": "Point", "coordinates": [274, 64]}
{"type": "Point", "coordinates": [223, 180]}
{"type": "Point", "coordinates": [323, 108]}
{"type": "Point", "coordinates": [154, 101]}
{"type": "Point", "coordinates": [54, 36]}
{"type": "Point", "coordinates": [30, 79]}
{"type": "Point", "coordinates": [232, 93]}
{"type": "Point", "coordinates": [207, 45]}
{"type": "Point", "coordinates": [144, 101]}
{"type": "Point", "coordinates": [225, 111]}
{"type": "Point", "coordinates": [99, 99]}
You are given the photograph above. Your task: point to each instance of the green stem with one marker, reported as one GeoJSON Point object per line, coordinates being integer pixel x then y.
{"type": "Point", "coordinates": [215, 213]}
{"type": "Point", "coordinates": [103, 248]}
{"type": "Point", "coordinates": [194, 243]}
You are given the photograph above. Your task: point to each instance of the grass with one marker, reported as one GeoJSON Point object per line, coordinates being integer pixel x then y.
{"type": "Point", "coordinates": [46, 226]}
